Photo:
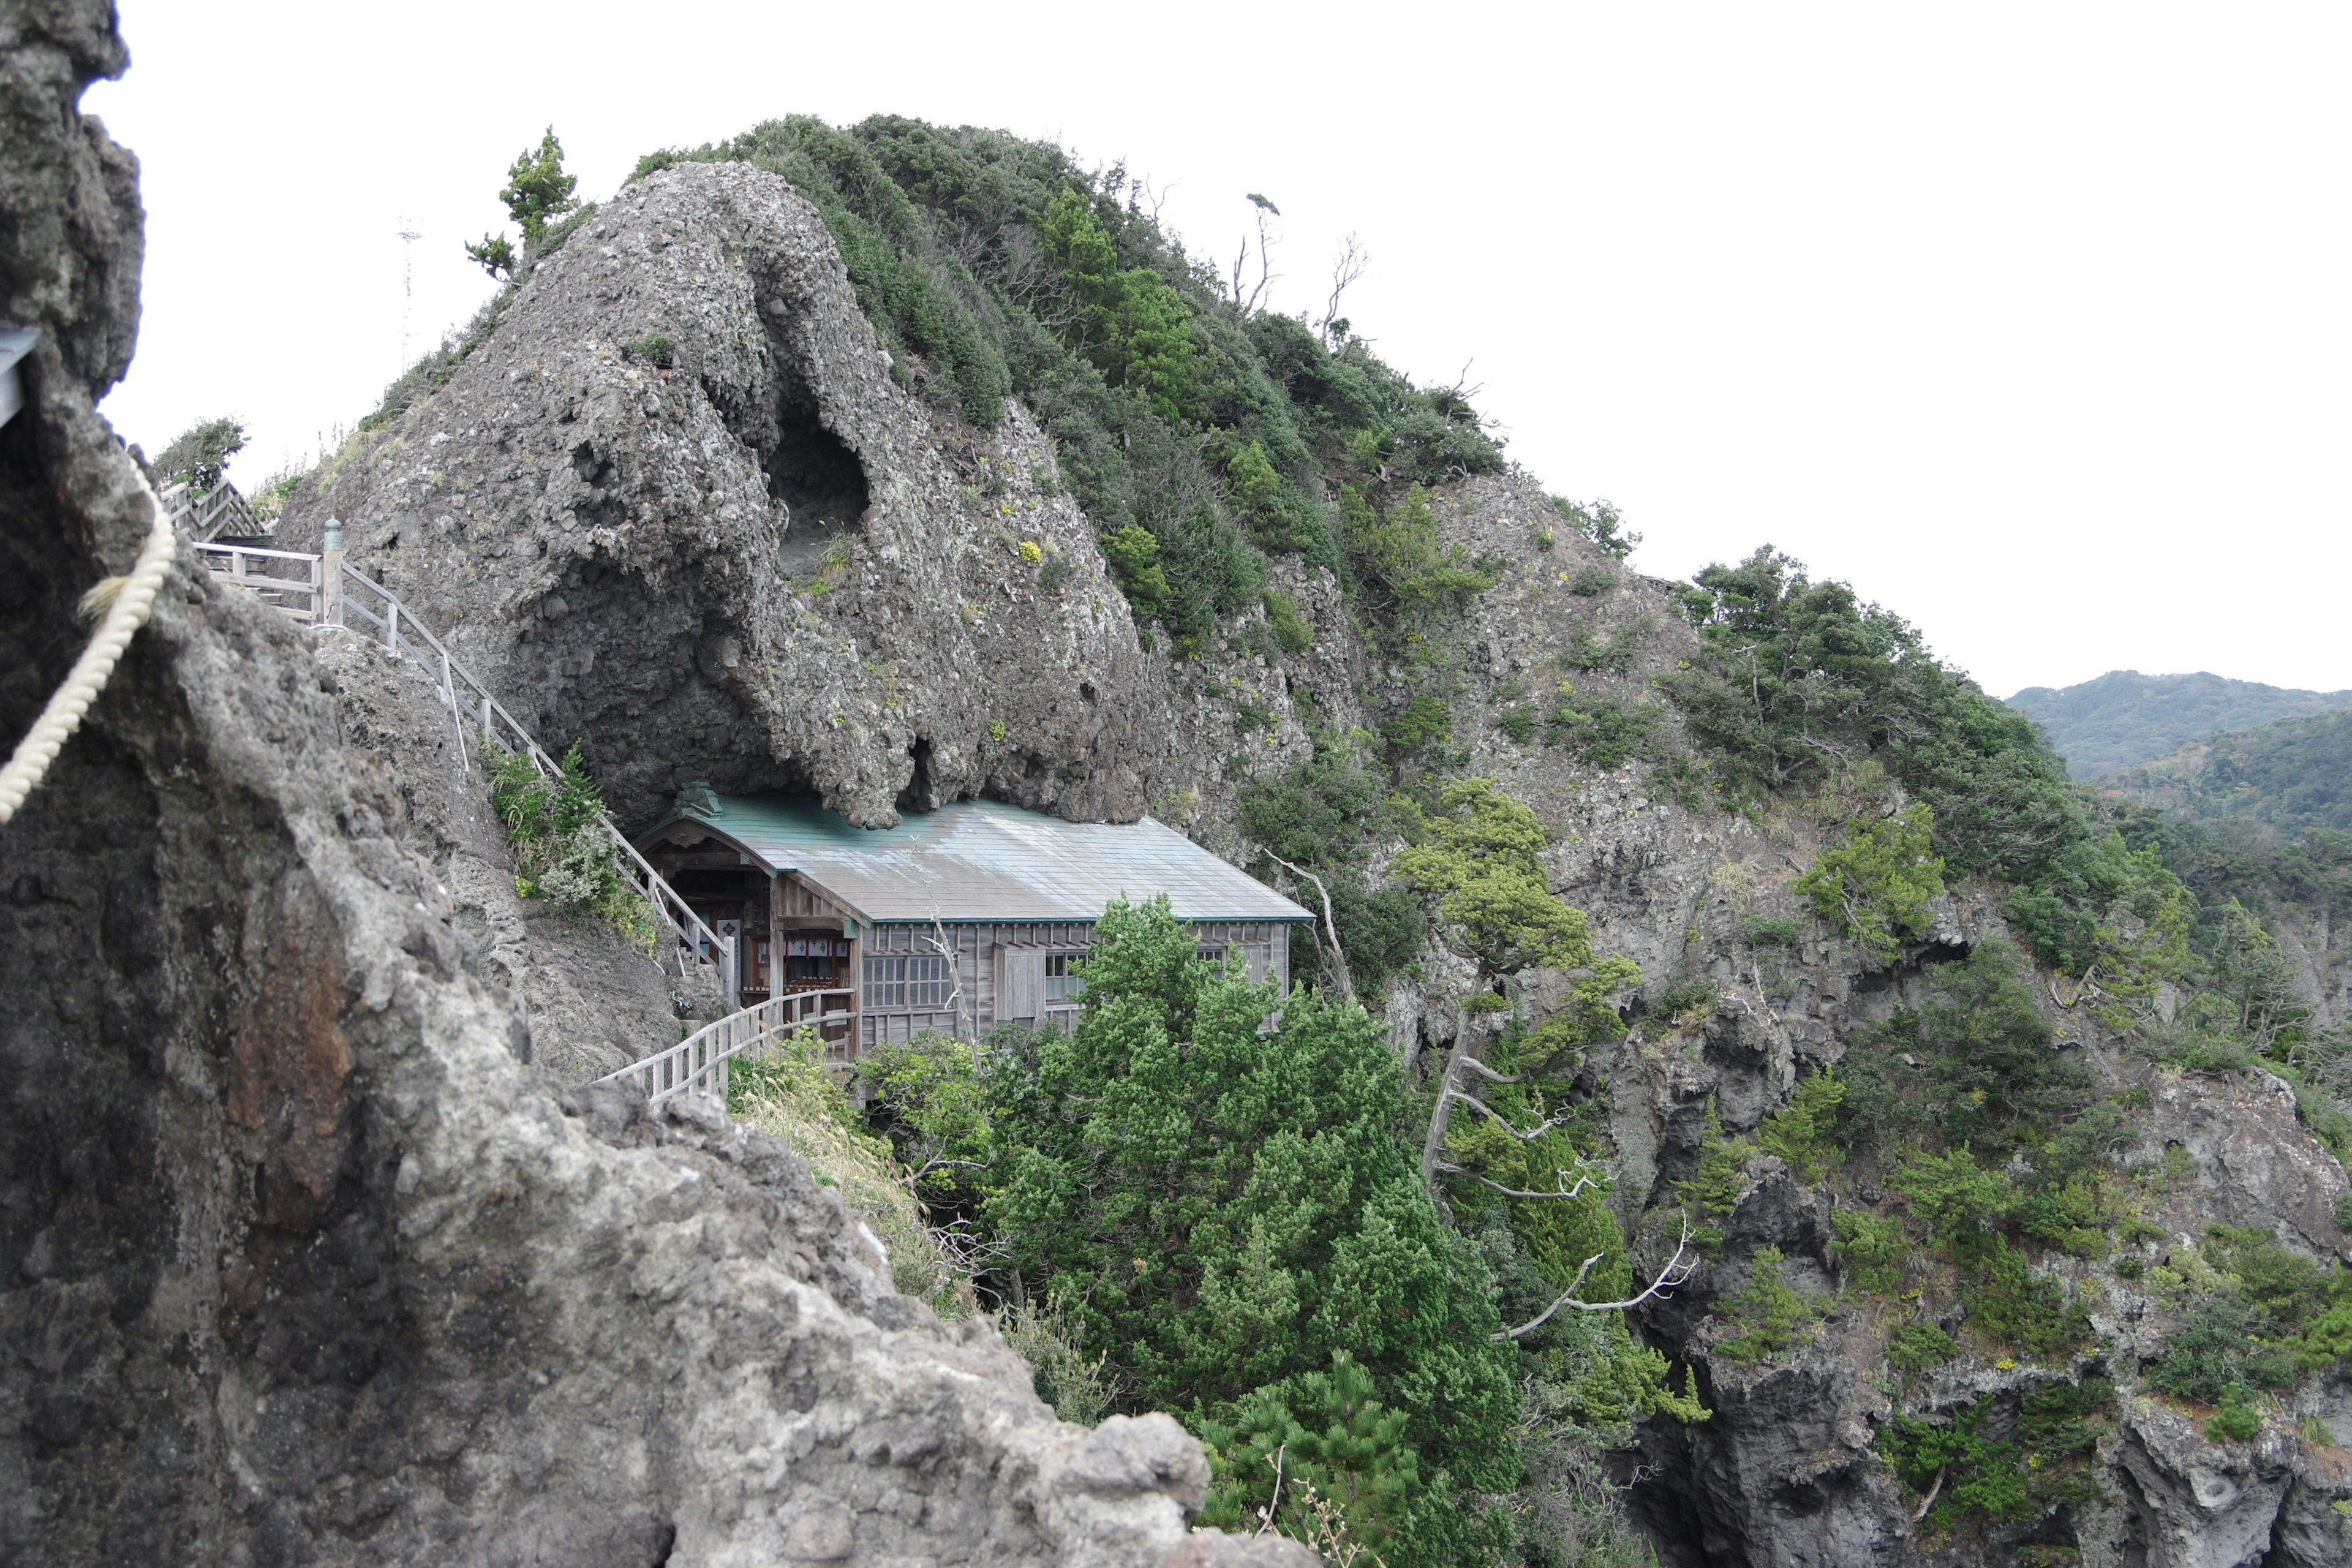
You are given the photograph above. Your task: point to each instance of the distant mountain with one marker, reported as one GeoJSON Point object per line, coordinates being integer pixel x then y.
{"type": "Point", "coordinates": [2290, 777]}
{"type": "Point", "coordinates": [2126, 718]}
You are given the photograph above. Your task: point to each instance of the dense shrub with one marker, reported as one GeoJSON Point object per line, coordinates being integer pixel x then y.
{"type": "Point", "coordinates": [1985, 1465]}
{"type": "Point", "coordinates": [1770, 1314]}
{"type": "Point", "coordinates": [1876, 884]}
{"type": "Point", "coordinates": [992, 267]}
{"type": "Point", "coordinates": [1799, 682]}
{"type": "Point", "coordinates": [1223, 1208]}
{"type": "Point", "coordinates": [200, 453]}
{"type": "Point", "coordinates": [563, 853]}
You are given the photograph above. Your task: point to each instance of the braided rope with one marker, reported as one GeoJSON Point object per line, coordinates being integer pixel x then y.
{"type": "Point", "coordinates": [127, 602]}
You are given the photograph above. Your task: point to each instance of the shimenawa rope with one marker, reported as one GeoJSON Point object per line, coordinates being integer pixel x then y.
{"type": "Point", "coordinates": [126, 603]}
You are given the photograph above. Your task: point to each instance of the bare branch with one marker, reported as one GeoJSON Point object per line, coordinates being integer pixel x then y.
{"type": "Point", "coordinates": [1330, 927]}
{"type": "Point", "coordinates": [1930, 1500]}
{"type": "Point", "coordinates": [1353, 260]}
{"type": "Point", "coordinates": [1486, 1109]}
{"type": "Point", "coordinates": [1565, 1191]}
{"type": "Point", "coordinates": [1673, 1274]}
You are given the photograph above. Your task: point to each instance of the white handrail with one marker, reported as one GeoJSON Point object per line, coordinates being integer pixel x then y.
{"type": "Point", "coordinates": [697, 1064]}
{"type": "Point", "coordinates": [232, 563]}
{"type": "Point", "coordinates": [695, 942]}
{"type": "Point", "coordinates": [206, 517]}
{"type": "Point", "coordinates": [403, 633]}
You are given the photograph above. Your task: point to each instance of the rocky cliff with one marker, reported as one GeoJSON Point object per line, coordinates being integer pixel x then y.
{"type": "Point", "coordinates": [304, 1262]}
{"type": "Point", "coordinates": [298, 1262]}
{"type": "Point", "coordinates": [654, 556]}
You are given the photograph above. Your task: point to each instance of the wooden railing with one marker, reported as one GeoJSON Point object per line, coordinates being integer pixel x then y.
{"type": "Point", "coordinates": [287, 579]}
{"type": "Point", "coordinates": [399, 629]}
{"type": "Point", "coordinates": [697, 1064]}
{"type": "Point", "coordinates": [204, 517]}
{"type": "Point", "coordinates": [334, 594]}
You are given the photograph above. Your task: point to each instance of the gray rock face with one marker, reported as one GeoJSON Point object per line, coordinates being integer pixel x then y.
{"type": "Point", "coordinates": [301, 1262]}
{"type": "Point", "coordinates": [298, 1263]}
{"type": "Point", "coordinates": [588, 1001]}
{"type": "Point", "coordinates": [766, 567]}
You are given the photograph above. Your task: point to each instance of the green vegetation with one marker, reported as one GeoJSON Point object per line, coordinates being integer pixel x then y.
{"type": "Point", "coordinates": [1348, 1447]}
{"type": "Point", "coordinates": [1327, 814]}
{"type": "Point", "coordinates": [1606, 733]}
{"type": "Point", "coordinates": [654, 348]}
{"type": "Point", "coordinates": [1221, 433]}
{"type": "Point", "coordinates": [2125, 718]}
{"type": "Point", "coordinates": [1184, 1210]}
{"type": "Point", "coordinates": [1597, 521]}
{"type": "Point", "coordinates": [1984, 1468]}
{"type": "Point", "coordinates": [1476, 850]}
{"type": "Point", "coordinates": [538, 192]}
{"type": "Point", "coordinates": [789, 1092]}
{"type": "Point", "coordinates": [1974, 1065]}
{"type": "Point", "coordinates": [1921, 1347]}
{"type": "Point", "coordinates": [1771, 1315]}
{"type": "Point", "coordinates": [2220, 1347]}
{"type": "Point", "coordinates": [1801, 687]}
{"type": "Point", "coordinates": [200, 454]}
{"type": "Point", "coordinates": [1877, 883]}
{"type": "Point", "coordinates": [1804, 1133]}
{"type": "Point", "coordinates": [538, 196]}
{"type": "Point", "coordinates": [2288, 778]}
{"type": "Point", "coordinates": [1223, 1210]}
{"type": "Point", "coordinates": [1042, 1335]}
{"type": "Point", "coordinates": [561, 851]}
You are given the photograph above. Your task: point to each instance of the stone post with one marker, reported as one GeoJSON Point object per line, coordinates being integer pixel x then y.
{"type": "Point", "coordinates": [331, 576]}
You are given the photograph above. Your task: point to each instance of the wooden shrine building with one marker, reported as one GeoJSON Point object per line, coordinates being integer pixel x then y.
{"type": "Point", "coordinates": [960, 920]}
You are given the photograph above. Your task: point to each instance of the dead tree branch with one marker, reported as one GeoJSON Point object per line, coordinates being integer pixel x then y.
{"type": "Point", "coordinates": [1353, 261]}
{"type": "Point", "coordinates": [1583, 1180]}
{"type": "Point", "coordinates": [1675, 1273]}
{"type": "Point", "coordinates": [1930, 1500]}
{"type": "Point", "coordinates": [1330, 927]}
{"type": "Point", "coordinates": [1266, 237]}
{"type": "Point", "coordinates": [1524, 1136]}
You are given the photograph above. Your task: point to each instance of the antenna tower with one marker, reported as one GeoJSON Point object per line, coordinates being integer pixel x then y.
{"type": "Point", "coordinates": [408, 238]}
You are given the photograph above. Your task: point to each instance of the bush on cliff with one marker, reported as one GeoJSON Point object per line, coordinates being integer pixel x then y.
{"type": "Point", "coordinates": [992, 267]}
{"type": "Point", "coordinates": [1226, 1210]}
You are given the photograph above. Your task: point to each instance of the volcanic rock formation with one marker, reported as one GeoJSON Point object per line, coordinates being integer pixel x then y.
{"type": "Point", "coordinates": [298, 1263]}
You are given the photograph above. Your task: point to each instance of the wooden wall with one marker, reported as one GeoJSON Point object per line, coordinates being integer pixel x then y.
{"type": "Point", "coordinates": [979, 975]}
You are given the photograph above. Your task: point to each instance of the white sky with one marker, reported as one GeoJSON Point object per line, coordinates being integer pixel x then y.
{"type": "Point", "coordinates": [2030, 320]}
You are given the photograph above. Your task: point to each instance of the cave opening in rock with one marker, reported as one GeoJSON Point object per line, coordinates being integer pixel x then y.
{"type": "Point", "coordinates": [820, 481]}
{"type": "Point", "coordinates": [920, 795]}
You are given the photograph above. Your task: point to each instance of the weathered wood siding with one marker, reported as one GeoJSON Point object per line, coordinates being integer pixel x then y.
{"type": "Point", "coordinates": [999, 970]}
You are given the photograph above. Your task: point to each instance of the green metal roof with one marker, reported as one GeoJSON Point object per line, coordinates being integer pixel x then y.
{"type": "Point", "coordinates": [979, 860]}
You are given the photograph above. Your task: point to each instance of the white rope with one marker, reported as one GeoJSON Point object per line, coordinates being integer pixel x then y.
{"type": "Point", "coordinates": [127, 602]}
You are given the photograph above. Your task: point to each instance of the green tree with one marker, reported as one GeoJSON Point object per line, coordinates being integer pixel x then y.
{"type": "Point", "coordinates": [1478, 852]}
{"type": "Point", "coordinates": [1257, 494]}
{"type": "Point", "coordinates": [1770, 1314]}
{"type": "Point", "coordinates": [200, 454]}
{"type": "Point", "coordinates": [1877, 884]}
{"type": "Point", "coordinates": [1802, 1133]}
{"type": "Point", "coordinates": [538, 191]}
{"type": "Point", "coordinates": [1224, 1208]}
{"type": "Point", "coordinates": [1332, 1435]}
{"type": "Point", "coordinates": [1133, 556]}
{"type": "Point", "coordinates": [494, 254]}
{"type": "Point", "coordinates": [1134, 327]}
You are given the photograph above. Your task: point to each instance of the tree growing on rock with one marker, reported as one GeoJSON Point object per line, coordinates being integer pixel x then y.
{"type": "Point", "coordinates": [200, 454]}
{"type": "Point", "coordinates": [1479, 854]}
{"type": "Point", "coordinates": [1230, 1207]}
{"type": "Point", "coordinates": [538, 192]}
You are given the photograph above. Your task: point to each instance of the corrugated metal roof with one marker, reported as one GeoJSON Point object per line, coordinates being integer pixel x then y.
{"type": "Point", "coordinates": [979, 860]}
